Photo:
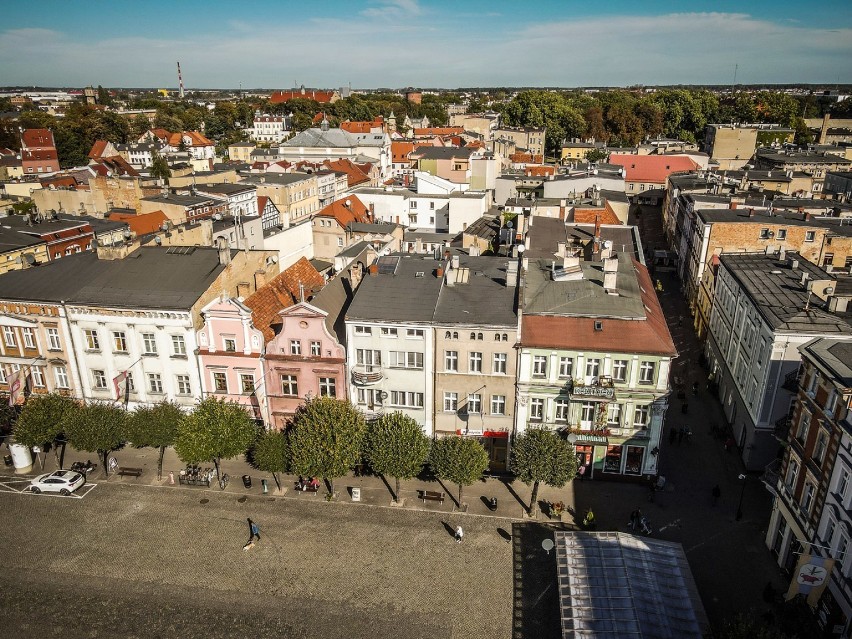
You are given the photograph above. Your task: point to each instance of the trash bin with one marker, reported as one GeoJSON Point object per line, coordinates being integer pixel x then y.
{"type": "Point", "coordinates": [247, 481]}
{"type": "Point", "coordinates": [492, 505]}
{"type": "Point", "coordinates": [7, 459]}
{"type": "Point", "coordinates": [265, 487]}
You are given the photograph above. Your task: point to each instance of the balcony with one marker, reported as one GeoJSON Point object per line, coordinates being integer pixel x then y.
{"type": "Point", "coordinates": [782, 429]}
{"type": "Point", "coordinates": [366, 375]}
{"type": "Point", "coordinates": [791, 381]}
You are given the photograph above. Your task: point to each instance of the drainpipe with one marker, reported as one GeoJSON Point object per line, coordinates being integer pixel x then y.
{"type": "Point", "coordinates": [75, 368]}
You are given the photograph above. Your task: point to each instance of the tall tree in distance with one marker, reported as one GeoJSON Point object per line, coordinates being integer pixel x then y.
{"type": "Point", "coordinates": [460, 460]}
{"type": "Point", "coordinates": [540, 455]}
{"type": "Point", "coordinates": [160, 168]}
{"type": "Point", "coordinates": [396, 446]}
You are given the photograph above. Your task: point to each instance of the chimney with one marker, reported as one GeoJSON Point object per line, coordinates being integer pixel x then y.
{"type": "Point", "coordinates": [511, 274]}
{"type": "Point", "coordinates": [439, 272]}
{"type": "Point", "coordinates": [455, 261]}
{"type": "Point", "coordinates": [807, 217]}
{"type": "Point", "coordinates": [823, 132]}
{"type": "Point", "coordinates": [610, 265]}
{"type": "Point", "coordinates": [561, 209]}
{"type": "Point", "coordinates": [782, 255]}
{"type": "Point", "coordinates": [374, 270]}
{"type": "Point", "coordinates": [733, 206]}
{"type": "Point", "coordinates": [751, 212]}
{"type": "Point", "coordinates": [560, 249]}
{"type": "Point", "coordinates": [259, 279]}
{"type": "Point", "coordinates": [597, 228]}
{"type": "Point", "coordinates": [609, 283]}
{"type": "Point", "coordinates": [224, 251]}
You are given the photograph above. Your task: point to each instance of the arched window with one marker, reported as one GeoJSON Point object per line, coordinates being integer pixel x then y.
{"type": "Point", "coordinates": [479, 336]}
{"type": "Point", "coordinates": [473, 336]}
{"type": "Point", "coordinates": [496, 337]}
{"type": "Point", "coordinates": [448, 335]}
{"type": "Point", "coordinates": [455, 334]}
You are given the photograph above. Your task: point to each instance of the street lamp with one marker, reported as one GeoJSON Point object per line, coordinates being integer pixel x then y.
{"type": "Point", "coordinates": [742, 478]}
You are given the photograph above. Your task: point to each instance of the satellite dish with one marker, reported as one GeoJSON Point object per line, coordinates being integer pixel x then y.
{"type": "Point", "coordinates": [509, 224]}
{"type": "Point", "coordinates": [608, 244]}
{"type": "Point", "coordinates": [547, 544]}
{"type": "Point", "coordinates": [521, 248]}
{"type": "Point", "coordinates": [158, 240]}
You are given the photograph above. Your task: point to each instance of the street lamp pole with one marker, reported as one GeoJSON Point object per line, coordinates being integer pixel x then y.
{"type": "Point", "coordinates": [742, 478]}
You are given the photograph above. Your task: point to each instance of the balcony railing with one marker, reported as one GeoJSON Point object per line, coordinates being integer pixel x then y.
{"type": "Point", "coordinates": [364, 375]}
{"type": "Point", "coordinates": [791, 381]}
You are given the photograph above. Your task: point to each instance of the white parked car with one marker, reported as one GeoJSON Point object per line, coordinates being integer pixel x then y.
{"type": "Point", "coordinates": [63, 482]}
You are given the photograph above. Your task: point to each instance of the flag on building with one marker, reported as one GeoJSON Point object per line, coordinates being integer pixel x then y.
{"type": "Point", "coordinates": [120, 384]}
{"type": "Point", "coordinates": [810, 578]}
{"type": "Point", "coordinates": [15, 384]}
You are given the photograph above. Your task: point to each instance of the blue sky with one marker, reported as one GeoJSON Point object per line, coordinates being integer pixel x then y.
{"type": "Point", "coordinates": [426, 43]}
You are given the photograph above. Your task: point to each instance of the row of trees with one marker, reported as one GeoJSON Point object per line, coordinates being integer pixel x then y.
{"type": "Point", "coordinates": [328, 438]}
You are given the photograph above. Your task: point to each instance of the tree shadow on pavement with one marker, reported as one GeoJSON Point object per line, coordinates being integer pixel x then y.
{"type": "Point", "coordinates": [512, 492]}
{"type": "Point", "coordinates": [536, 601]}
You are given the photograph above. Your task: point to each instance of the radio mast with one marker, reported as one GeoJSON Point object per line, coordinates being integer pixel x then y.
{"type": "Point", "coordinates": [180, 82]}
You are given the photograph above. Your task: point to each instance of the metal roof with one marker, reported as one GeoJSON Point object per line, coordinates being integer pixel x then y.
{"type": "Point", "coordinates": [615, 585]}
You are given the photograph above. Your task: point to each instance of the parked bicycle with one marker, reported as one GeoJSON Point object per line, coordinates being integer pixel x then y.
{"type": "Point", "coordinates": [223, 481]}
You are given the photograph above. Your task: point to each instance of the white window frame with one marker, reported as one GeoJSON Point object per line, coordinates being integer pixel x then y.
{"type": "Point", "coordinates": [183, 384]}
{"type": "Point", "coordinates": [474, 362]}
{"type": "Point", "coordinates": [536, 409]}
{"type": "Point", "coordinates": [289, 385]}
{"type": "Point", "coordinates": [451, 361]}
{"type": "Point", "coordinates": [328, 386]}
{"type": "Point", "coordinates": [53, 342]}
{"type": "Point", "coordinates": [29, 337]}
{"type": "Point", "coordinates": [474, 404]}
{"type": "Point", "coordinates": [149, 344]}
{"type": "Point", "coordinates": [119, 342]}
{"type": "Point", "coordinates": [498, 363]}
{"type": "Point", "coordinates": [155, 383]}
{"type": "Point", "coordinates": [566, 367]}
{"type": "Point", "coordinates": [99, 379]}
{"type": "Point", "coordinates": [539, 369]}
{"type": "Point", "coordinates": [451, 402]}
{"type": "Point", "coordinates": [60, 375]}
{"type": "Point", "coordinates": [498, 404]}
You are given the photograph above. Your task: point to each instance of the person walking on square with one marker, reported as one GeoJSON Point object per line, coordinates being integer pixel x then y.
{"type": "Point", "coordinates": [459, 534]}
{"type": "Point", "coordinates": [717, 492]}
{"type": "Point", "coordinates": [254, 529]}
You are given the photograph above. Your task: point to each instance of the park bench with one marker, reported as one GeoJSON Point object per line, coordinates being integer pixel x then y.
{"type": "Point", "coordinates": [134, 472]}
{"type": "Point", "coordinates": [431, 495]}
{"type": "Point", "coordinates": [306, 489]}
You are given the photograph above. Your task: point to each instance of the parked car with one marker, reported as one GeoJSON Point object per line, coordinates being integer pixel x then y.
{"type": "Point", "coordinates": [63, 482]}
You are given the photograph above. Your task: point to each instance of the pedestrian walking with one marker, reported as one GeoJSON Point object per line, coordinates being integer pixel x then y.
{"type": "Point", "coordinates": [254, 529]}
{"type": "Point", "coordinates": [459, 534]}
{"type": "Point", "coordinates": [717, 492]}
{"type": "Point", "coordinates": [635, 518]}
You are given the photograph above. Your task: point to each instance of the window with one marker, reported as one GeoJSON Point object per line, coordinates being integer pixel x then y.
{"type": "Point", "coordinates": [289, 385]}
{"type": "Point", "coordinates": [475, 363]}
{"type": "Point", "coordinates": [405, 399]}
{"type": "Point", "coordinates": [402, 359]}
{"type": "Point", "coordinates": [327, 387]}
{"type": "Point", "coordinates": [587, 414]}
{"type": "Point", "coordinates": [448, 335]}
{"type": "Point", "coordinates": [498, 404]}
{"type": "Point", "coordinates": [414, 333]}
{"type": "Point", "coordinates": [316, 348]}
{"type": "Point", "coordinates": [119, 342]}
{"type": "Point", "coordinates": [593, 367]}
{"type": "Point", "coordinates": [498, 366]}
{"type": "Point", "coordinates": [155, 383]}
{"type": "Point", "coordinates": [830, 527]}
{"type": "Point", "coordinates": [641, 415]}
{"type": "Point", "coordinates": [764, 234]}
{"type": "Point", "coordinates": [149, 344]}
{"type": "Point", "coordinates": [363, 330]}
{"type": "Point", "coordinates": [9, 336]}
{"type": "Point", "coordinates": [792, 474]}
{"type": "Point", "coordinates": [2, 374]}
{"type": "Point", "coordinates": [389, 332]}
{"type": "Point", "coordinates": [178, 345]}
{"type": "Point", "coordinates": [230, 345]}
{"type": "Point", "coordinates": [295, 347]}
{"type": "Point", "coordinates": [53, 339]}
{"type": "Point", "coordinates": [809, 236]}
{"type": "Point", "coordinates": [808, 496]}
{"type": "Point", "coordinates": [831, 403]}
{"type": "Point", "coordinates": [561, 409]}
{"type": "Point", "coordinates": [99, 379]}
{"type": "Point", "coordinates": [841, 547]}
{"type": "Point", "coordinates": [828, 260]}
{"type": "Point", "coordinates": [220, 382]}
{"type": "Point", "coordinates": [539, 366]}
{"type": "Point", "coordinates": [619, 370]}
{"type": "Point", "coordinates": [61, 376]}
{"type": "Point", "coordinates": [821, 447]}
{"type": "Point", "coordinates": [474, 403]}
{"type": "Point", "coordinates": [451, 360]}
{"type": "Point", "coordinates": [451, 401]}
{"type": "Point", "coordinates": [804, 426]}
{"type": "Point", "coordinates": [536, 409]}
{"type": "Point", "coordinates": [781, 234]}
{"type": "Point", "coordinates": [183, 385]}
{"type": "Point", "coordinates": [812, 384]}
{"type": "Point", "coordinates": [566, 367]}
{"type": "Point", "coordinates": [368, 358]}
{"type": "Point", "coordinates": [340, 242]}
{"type": "Point", "coordinates": [29, 337]}
{"type": "Point", "coordinates": [842, 483]}
{"type": "Point", "coordinates": [613, 415]}
{"type": "Point", "coordinates": [247, 383]}
{"type": "Point", "coordinates": [38, 376]}
{"type": "Point", "coordinates": [92, 342]}
{"type": "Point", "coordinates": [646, 372]}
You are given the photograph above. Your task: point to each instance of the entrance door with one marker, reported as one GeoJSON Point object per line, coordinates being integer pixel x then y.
{"type": "Point", "coordinates": [585, 457]}
{"type": "Point", "coordinates": [497, 453]}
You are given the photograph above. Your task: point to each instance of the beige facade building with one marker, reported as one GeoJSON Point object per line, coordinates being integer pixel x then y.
{"type": "Point", "coordinates": [528, 138]}
{"type": "Point", "coordinates": [295, 194]}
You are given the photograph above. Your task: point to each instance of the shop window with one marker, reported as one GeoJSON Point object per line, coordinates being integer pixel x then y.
{"type": "Point", "coordinates": [612, 461]}
{"type": "Point", "coordinates": [633, 462]}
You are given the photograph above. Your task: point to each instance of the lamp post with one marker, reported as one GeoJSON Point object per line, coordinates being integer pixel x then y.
{"type": "Point", "coordinates": [742, 478]}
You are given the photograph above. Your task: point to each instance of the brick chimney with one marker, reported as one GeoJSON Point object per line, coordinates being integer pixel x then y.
{"type": "Point", "coordinates": [597, 228]}
{"type": "Point", "coordinates": [374, 270]}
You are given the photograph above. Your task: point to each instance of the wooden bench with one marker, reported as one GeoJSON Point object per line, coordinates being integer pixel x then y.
{"type": "Point", "coordinates": [431, 495]}
{"type": "Point", "coordinates": [306, 488]}
{"type": "Point", "coordinates": [134, 472]}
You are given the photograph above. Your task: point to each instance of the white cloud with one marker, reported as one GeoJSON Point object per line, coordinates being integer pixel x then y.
{"type": "Point", "coordinates": [408, 47]}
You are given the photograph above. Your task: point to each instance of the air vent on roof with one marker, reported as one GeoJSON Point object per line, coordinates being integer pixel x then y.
{"type": "Point", "coordinates": [419, 274]}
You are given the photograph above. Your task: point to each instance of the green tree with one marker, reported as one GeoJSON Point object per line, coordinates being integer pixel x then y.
{"type": "Point", "coordinates": [160, 168]}
{"type": "Point", "coordinates": [396, 446]}
{"type": "Point", "coordinates": [597, 155]}
{"type": "Point", "coordinates": [43, 419]}
{"type": "Point", "coordinates": [457, 459]}
{"type": "Point", "coordinates": [168, 122]}
{"type": "Point", "coordinates": [326, 438]}
{"type": "Point", "coordinates": [97, 427]}
{"type": "Point", "coordinates": [24, 207]}
{"type": "Point", "coordinates": [216, 429]}
{"type": "Point", "coordinates": [139, 125]}
{"type": "Point", "coordinates": [104, 98]}
{"type": "Point", "coordinates": [540, 455]}
{"type": "Point", "coordinates": [271, 454]}
{"type": "Point", "coordinates": [155, 427]}
{"type": "Point", "coordinates": [546, 109]}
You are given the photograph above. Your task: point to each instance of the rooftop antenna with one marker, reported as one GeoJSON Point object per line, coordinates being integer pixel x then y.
{"type": "Point", "coordinates": [180, 81]}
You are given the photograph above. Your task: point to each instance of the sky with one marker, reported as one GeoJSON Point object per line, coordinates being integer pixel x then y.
{"type": "Point", "coordinates": [423, 43]}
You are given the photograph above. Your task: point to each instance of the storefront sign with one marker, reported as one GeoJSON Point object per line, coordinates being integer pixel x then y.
{"type": "Point", "coordinates": [470, 432]}
{"type": "Point", "coordinates": [593, 391]}
{"type": "Point", "coordinates": [599, 440]}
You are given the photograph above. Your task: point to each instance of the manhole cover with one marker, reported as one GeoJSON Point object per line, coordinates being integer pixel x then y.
{"type": "Point", "coordinates": [242, 500]}
{"type": "Point", "coordinates": [203, 501]}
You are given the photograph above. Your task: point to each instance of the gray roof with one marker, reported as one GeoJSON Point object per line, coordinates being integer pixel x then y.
{"type": "Point", "coordinates": [583, 297]}
{"type": "Point", "coordinates": [101, 225]}
{"type": "Point", "coordinates": [427, 236]}
{"type": "Point", "coordinates": [19, 223]}
{"type": "Point", "coordinates": [335, 298]}
{"type": "Point", "coordinates": [14, 240]}
{"type": "Point", "coordinates": [615, 585]}
{"type": "Point", "coordinates": [796, 157]}
{"type": "Point", "coordinates": [180, 200]}
{"type": "Point", "coordinates": [833, 356]}
{"type": "Point", "coordinates": [441, 152]}
{"type": "Point", "coordinates": [156, 277]}
{"type": "Point", "coordinates": [334, 138]}
{"type": "Point", "coordinates": [399, 295]}
{"type": "Point", "coordinates": [775, 289]}
{"type": "Point", "coordinates": [355, 249]}
{"type": "Point", "coordinates": [260, 179]}
{"type": "Point", "coordinates": [225, 189]}
{"type": "Point", "coordinates": [372, 227]}
{"type": "Point", "coordinates": [483, 300]}
{"type": "Point", "coordinates": [485, 227]}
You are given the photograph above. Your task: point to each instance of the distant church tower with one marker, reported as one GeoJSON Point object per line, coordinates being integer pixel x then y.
{"type": "Point", "coordinates": [391, 123]}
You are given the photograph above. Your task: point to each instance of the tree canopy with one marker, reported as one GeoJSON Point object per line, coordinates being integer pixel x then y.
{"type": "Point", "coordinates": [43, 418]}
{"type": "Point", "coordinates": [271, 453]}
{"type": "Point", "coordinates": [96, 427]}
{"type": "Point", "coordinates": [154, 426]}
{"type": "Point", "coordinates": [396, 446]}
{"type": "Point", "coordinates": [461, 460]}
{"type": "Point", "coordinates": [540, 455]}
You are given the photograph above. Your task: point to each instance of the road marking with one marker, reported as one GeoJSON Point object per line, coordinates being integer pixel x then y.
{"type": "Point", "coordinates": [6, 486]}
{"type": "Point", "coordinates": [671, 524]}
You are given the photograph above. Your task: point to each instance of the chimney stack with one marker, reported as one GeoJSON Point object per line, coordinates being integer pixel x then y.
{"type": "Point", "coordinates": [609, 283]}
{"type": "Point", "coordinates": [374, 270]}
{"type": "Point", "coordinates": [807, 217]}
{"type": "Point", "coordinates": [597, 228]}
{"type": "Point", "coordinates": [512, 274]}
{"type": "Point", "coordinates": [751, 212]}
{"type": "Point", "coordinates": [224, 251]}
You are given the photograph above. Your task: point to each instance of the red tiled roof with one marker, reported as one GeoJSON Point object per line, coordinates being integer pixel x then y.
{"type": "Point", "coordinates": [195, 139]}
{"type": "Point", "coordinates": [400, 151]}
{"type": "Point", "coordinates": [439, 130]}
{"type": "Point", "coordinates": [589, 216]}
{"type": "Point", "coordinates": [649, 336]}
{"type": "Point", "coordinates": [97, 149]}
{"type": "Point", "coordinates": [282, 96]}
{"type": "Point", "coordinates": [142, 224]}
{"type": "Point", "coordinates": [282, 292]}
{"type": "Point", "coordinates": [363, 127]}
{"type": "Point", "coordinates": [475, 144]}
{"type": "Point", "coordinates": [37, 138]}
{"type": "Point", "coordinates": [653, 169]}
{"type": "Point", "coordinates": [64, 181]}
{"type": "Point", "coordinates": [540, 170]}
{"type": "Point", "coordinates": [526, 158]}
{"type": "Point", "coordinates": [355, 174]}
{"type": "Point", "coordinates": [355, 212]}
{"type": "Point", "coordinates": [261, 203]}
